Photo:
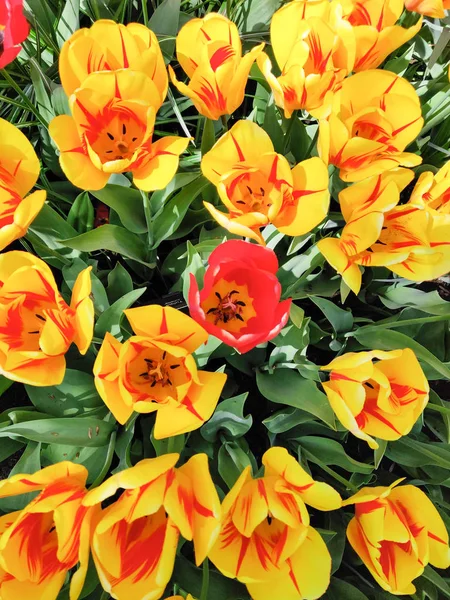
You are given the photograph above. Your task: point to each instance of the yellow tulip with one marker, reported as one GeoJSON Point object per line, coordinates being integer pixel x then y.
{"type": "Point", "coordinates": [266, 540]}
{"type": "Point", "coordinates": [135, 539]}
{"type": "Point", "coordinates": [378, 114]}
{"type": "Point", "coordinates": [433, 190]}
{"type": "Point", "coordinates": [396, 531]}
{"type": "Point", "coordinates": [110, 46]}
{"type": "Point", "coordinates": [111, 130]}
{"type": "Point", "coordinates": [315, 49]}
{"type": "Point", "coordinates": [209, 51]}
{"type": "Point", "coordinates": [430, 8]}
{"type": "Point", "coordinates": [258, 187]}
{"type": "Point", "coordinates": [154, 370]}
{"type": "Point", "coordinates": [41, 543]}
{"type": "Point", "coordinates": [188, 597]}
{"type": "Point", "coordinates": [19, 170]}
{"type": "Point", "coordinates": [376, 33]}
{"type": "Point", "coordinates": [36, 325]}
{"type": "Point", "coordinates": [380, 399]}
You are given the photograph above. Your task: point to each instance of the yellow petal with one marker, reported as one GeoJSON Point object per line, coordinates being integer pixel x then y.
{"type": "Point", "coordinates": [20, 165]}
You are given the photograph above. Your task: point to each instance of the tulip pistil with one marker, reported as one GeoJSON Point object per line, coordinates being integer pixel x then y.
{"type": "Point", "coordinates": [158, 371]}
{"type": "Point", "coordinates": [227, 309]}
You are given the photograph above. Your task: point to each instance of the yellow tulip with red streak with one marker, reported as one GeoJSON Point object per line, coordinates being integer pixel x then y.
{"type": "Point", "coordinates": [19, 171]}
{"type": "Point", "coordinates": [135, 538]}
{"type": "Point", "coordinates": [430, 8]}
{"type": "Point", "coordinates": [363, 206]}
{"type": "Point", "coordinates": [258, 187]}
{"type": "Point", "coordinates": [209, 51]}
{"type": "Point", "coordinates": [266, 540]}
{"type": "Point", "coordinates": [314, 49]}
{"type": "Point", "coordinates": [397, 532]}
{"type": "Point", "coordinates": [110, 46]}
{"type": "Point", "coordinates": [154, 370]}
{"type": "Point", "coordinates": [188, 597]}
{"type": "Point", "coordinates": [111, 131]}
{"type": "Point", "coordinates": [37, 326]}
{"type": "Point", "coordinates": [376, 115]}
{"type": "Point", "coordinates": [376, 32]}
{"type": "Point", "coordinates": [381, 399]}
{"type": "Point", "coordinates": [433, 190]}
{"type": "Point", "coordinates": [42, 542]}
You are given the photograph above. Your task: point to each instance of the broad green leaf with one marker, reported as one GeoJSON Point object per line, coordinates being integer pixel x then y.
{"type": "Point", "coordinates": [195, 267]}
{"type": "Point", "coordinates": [113, 238]}
{"type": "Point", "coordinates": [75, 396]}
{"type": "Point", "coordinates": [119, 283]}
{"type": "Point", "coordinates": [5, 384]}
{"type": "Point", "coordinates": [69, 21]}
{"type": "Point", "coordinates": [70, 274]}
{"type": "Point", "coordinates": [28, 463]}
{"type": "Point", "coordinates": [286, 419]}
{"type": "Point", "coordinates": [208, 137]}
{"type": "Point", "coordinates": [286, 386]}
{"type": "Point", "coordinates": [111, 318]}
{"type": "Point", "coordinates": [128, 204]}
{"type": "Point", "coordinates": [81, 213]}
{"type": "Point", "coordinates": [9, 447]}
{"type": "Point", "coordinates": [341, 320]}
{"type": "Point", "coordinates": [91, 458]}
{"type": "Point", "coordinates": [431, 575]}
{"type": "Point", "coordinates": [330, 452]}
{"type": "Point", "coordinates": [342, 590]}
{"type": "Point", "coordinates": [412, 453]}
{"type": "Point", "coordinates": [165, 22]}
{"type": "Point", "coordinates": [232, 460]}
{"type": "Point", "coordinates": [255, 16]}
{"type": "Point", "coordinates": [228, 417]}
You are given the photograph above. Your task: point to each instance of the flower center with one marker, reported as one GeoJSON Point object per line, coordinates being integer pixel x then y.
{"type": "Point", "coordinates": [158, 371]}
{"type": "Point", "coordinates": [228, 308]}
{"type": "Point", "coordinates": [118, 140]}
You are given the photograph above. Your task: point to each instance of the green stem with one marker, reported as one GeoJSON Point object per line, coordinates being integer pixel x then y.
{"type": "Point", "coordinates": [145, 12]}
{"type": "Point", "coordinates": [223, 118]}
{"type": "Point", "coordinates": [171, 445]}
{"type": "Point", "coordinates": [105, 595]}
{"type": "Point", "coordinates": [395, 324]}
{"type": "Point", "coordinates": [205, 581]}
{"type": "Point", "coordinates": [287, 136]}
{"type": "Point", "coordinates": [148, 218]}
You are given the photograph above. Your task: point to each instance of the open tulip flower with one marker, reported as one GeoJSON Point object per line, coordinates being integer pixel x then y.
{"type": "Point", "coordinates": [111, 131]}
{"type": "Point", "coordinates": [397, 532]}
{"type": "Point", "coordinates": [135, 540]}
{"type": "Point", "coordinates": [209, 51]}
{"type": "Point", "coordinates": [240, 300]}
{"type": "Point", "coordinates": [14, 30]}
{"type": "Point", "coordinates": [312, 58]}
{"type": "Point", "coordinates": [36, 325]}
{"type": "Point", "coordinates": [377, 394]}
{"type": "Point", "coordinates": [110, 46]}
{"type": "Point", "coordinates": [431, 8]}
{"type": "Point", "coordinates": [433, 190]}
{"type": "Point", "coordinates": [19, 170]}
{"type": "Point", "coordinates": [376, 116]}
{"type": "Point", "coordinates": [50, 536]}
{"type": "Point", "coordinates": [258, 187]}
{"type": "Point", "coordinates": [154, 371]}
{"type": "Point", "coordinates": [376, 32]}
{"type": "Point", "coordinates": [266, 540]}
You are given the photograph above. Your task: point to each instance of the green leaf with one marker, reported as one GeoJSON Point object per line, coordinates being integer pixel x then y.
{"type": "Point", "coordinates": [70, 274]}
{"type": "Point", "coordinates": [195, 267]}
{"type": "Point", "coordinates": [174, 211]}
{"type": "Point", "coordinates": [255, 16]}
{"type": "Point", "coordinates": [113, 238]}
{"type": "Point", "coordinates": [111, 318]}
{"type": "Point", "coordinates": [9, 447]}
{"type": "Point", "coordinates": [411, 453]}
{"type": "Point", "coordinates": [81, 213]}
{"type": "Point", "coordinates": [119, 283]}
{"type": "Point", "coordinates": [286, 386]}
{"type": "Point", "coordinates": [164, 22]}
{"type": "Point", "coordinates": [91, 458]}
{"type": "Point", "coordinates": [382, 339]}
{"type": "Point", "coordinates": [228, 417]}
{"type": "Point", "coordinates": [208, 137]}
{"type": "Point", "coordinates": [74, 431]}
{"type": "Point", "coordinates": [379, 452]}
{"type": "Point", "coordinates": [69, 21]}
{"type": "Point", "coordinates": [286, 419]}
{"type": "Point", "coordinates": [127, 202]}
{"type": "Point", "coordinates": [75, 396]}
{"type": "Point", "coordinates": [28, 463]}
{"type": "Point", "coordinates": [330, 452]}
{"type": "Point", "coordinates": [338, 590]}
{"type": "Point", "coordinates": [5, 384]}
{"type": "Point", "coordinates": [431, 575]}
{"type": "Point", "coordinates": [42, 91]}
{"type": "Point", "coordinates": [232, 460]}
{"type": "Point", "coordinates": [341, 320]}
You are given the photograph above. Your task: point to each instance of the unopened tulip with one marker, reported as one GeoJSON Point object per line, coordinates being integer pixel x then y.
{"type": "Point", "coordinates": [14, 30]}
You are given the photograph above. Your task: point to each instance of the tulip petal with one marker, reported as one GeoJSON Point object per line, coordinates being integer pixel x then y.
{"type": "Point", "coordinates": [162, 164]}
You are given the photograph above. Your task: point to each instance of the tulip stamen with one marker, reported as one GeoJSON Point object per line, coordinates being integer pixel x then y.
{"type": "Point", "coordinates": [40, 317]}
{"type": "Point", "coordinates": [227, 309]}
{"type": "Point", "coordinates": [110, 135]}
{"type": "Point", "coordinates": [33, 332]}
{"type": "Point", "coordinates": [158, 372]}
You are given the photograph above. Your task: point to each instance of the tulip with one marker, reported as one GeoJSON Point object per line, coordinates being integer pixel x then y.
{"type": "Point", "coordinates": [382, 399]}
{"type": "Point", "coordinates": [209, 51]}
{"type": "Point", "coordinates": [377, 116]}
{"type": "Point", "coordinates": [110, 46]}
{"type": "Point", "coordinates": [110, 131]}
{"type": "Point", "coordinates": [314, 48]}
{"type": "Point", "coordinates": [376, 33]}
{"type": "Point", "coordinates": [135, 540]}
{"type": "Point", "coordinates": [433, 190]}
{"type": "Point", "coordinates": [266, 537]}
{"type": "Point", "coordinates": [36, 325]}
{"type": "Point", "coordinates": [258, 187]}
{"type": "Point", "coordinates": [240, 300]}
{"type": "Point", "coordinates": [396, 531]}
{"type": "Point", "coordinates": [19, 170]}
{"type": "Point", "coordinates": [14, 30]}
{"type": "Point", "coordinates": [42, 542]}
{"type": "Point", "coordinates": [188, 597]}
{"type": "Point", "coordinates": [430, 8]}
{"type": "Point", "coordinates": [154, 370]}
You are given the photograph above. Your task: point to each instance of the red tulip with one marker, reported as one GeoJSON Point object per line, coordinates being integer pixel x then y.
{"type": "Point", "coordinates": [14, 30]}
{"type": "Point", "coordinates": [240, 301]}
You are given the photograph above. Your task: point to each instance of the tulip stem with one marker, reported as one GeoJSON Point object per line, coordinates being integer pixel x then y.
{"type": "Point", "coordinates": [104, 595]}
{"type": "Point", "coordinates": [205, 581]}
{"type": "Point", "coordinates": [223, 118]}
{"type": "Point", "coordinates": [145, 12]}
{"type": "Point", "coordinates": [148, 218]}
